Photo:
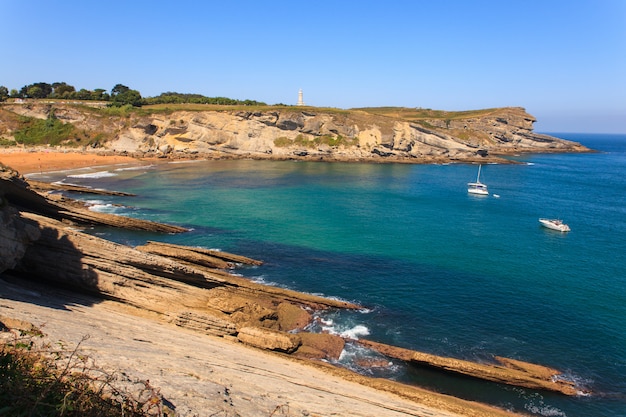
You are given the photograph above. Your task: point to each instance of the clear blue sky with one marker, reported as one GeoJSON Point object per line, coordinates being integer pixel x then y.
{"type": "Point", "coordinates": [564, 61]}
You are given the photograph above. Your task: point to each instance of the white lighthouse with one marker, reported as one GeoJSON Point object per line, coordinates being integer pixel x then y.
{"type": "Point", "coordinates": [300, 99]}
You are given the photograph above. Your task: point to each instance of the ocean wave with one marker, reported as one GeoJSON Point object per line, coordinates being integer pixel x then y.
{"type": "Point", "coordinates": [63, 183]}
{"type": "Point", "coordinates": [355, 332]}
{"type": "Point", "coordinates": [99, 174]}
{"type": "Point", "coordinates": [103, 207]}
{"type": "Point", "coordinates": [135, 167]}
{"type": "Point", "coordinates": [260, 279]}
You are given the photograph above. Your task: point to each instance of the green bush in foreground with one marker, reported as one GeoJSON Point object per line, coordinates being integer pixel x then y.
{"type": "Point", "coordinates": [48, 382]}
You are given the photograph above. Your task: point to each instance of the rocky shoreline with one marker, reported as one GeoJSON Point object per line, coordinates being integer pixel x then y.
{"type": "Point", "coordinates": [194, 288]}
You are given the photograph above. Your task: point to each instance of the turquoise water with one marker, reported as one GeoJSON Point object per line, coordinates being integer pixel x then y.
{"type": "Point", "coordinates": [436, 269]}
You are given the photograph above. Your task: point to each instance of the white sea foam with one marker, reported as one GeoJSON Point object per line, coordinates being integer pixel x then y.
{"type": "Point", "coordinates": [544, 410]}
{"type": "Point", "coordinates": [136, 167]}
{"type": "Point", "coordinates": [367, 362]}
{"type": "Point", "coordinates": [62, 182]}
{"type": "Point", "coordinates": [260, 279]}
{"type": "Point", "coordinates": [326, 322]}
{"type": "Point", "coordinates": [99, 174]}
{"type": "Point", "coordinates": [355, 332]}
{"type": "Point", "coordinates": [105, 208]}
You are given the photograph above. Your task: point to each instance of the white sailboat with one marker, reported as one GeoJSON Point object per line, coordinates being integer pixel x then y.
{"type": "Point", "coordinates": [477, 187]}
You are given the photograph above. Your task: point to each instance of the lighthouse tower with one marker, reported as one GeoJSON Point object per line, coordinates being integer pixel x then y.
{"type": "Point", "coordinates": [300, 99]}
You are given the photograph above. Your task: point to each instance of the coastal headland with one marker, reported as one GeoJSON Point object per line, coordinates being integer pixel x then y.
{"type": "Point", "coordinates": [376, 135]}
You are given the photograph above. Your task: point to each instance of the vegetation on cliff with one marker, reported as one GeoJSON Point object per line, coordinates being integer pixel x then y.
{"type": "Point", "coordinates": [120, 95]}
{"type": "Point", "coordinates": [50, 131]}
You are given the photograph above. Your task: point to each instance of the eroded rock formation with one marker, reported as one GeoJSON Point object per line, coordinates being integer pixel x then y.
{"type": "Point", "coordinates": [312, 134]}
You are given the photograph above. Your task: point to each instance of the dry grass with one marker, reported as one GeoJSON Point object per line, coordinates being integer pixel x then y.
{"type": "Point", "coordinates": [415, 114]}
{"type": "Point", "coordinates": [38, 379]}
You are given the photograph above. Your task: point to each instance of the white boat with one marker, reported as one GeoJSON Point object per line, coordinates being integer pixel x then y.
{"type": "Point", "coordinates": [554, 224]}
{"type": "Point", "coordinates": [477, 187]}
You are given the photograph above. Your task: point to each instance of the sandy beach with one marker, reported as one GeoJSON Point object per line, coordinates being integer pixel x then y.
{"type": "Point", "coordinates": [199, 374]}
{"type": "Point", "coordinates": [37, 161]}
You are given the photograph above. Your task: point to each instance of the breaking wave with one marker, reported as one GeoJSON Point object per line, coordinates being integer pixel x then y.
{"type": "Point", "coordinates": [100, 174]}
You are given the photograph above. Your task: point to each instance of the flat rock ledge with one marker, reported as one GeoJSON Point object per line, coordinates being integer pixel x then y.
{"type": "Point", "coordinates": [504, 370]}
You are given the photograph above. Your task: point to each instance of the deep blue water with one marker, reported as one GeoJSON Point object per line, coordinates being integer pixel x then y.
{"type": "Point", "coordinates": [436, 269]}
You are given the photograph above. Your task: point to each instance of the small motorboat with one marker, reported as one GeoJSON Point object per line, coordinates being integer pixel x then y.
{"type": "Point", "coordinates": [554, 224]}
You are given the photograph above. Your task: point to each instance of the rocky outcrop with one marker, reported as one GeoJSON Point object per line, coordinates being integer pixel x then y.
{"type": "Point", "coordinates": [504, 370]}
{"type": "Point", "coordinates": [269, 339]}
{"type": "Point", "coordinates": [15, 236]}
{"type": "Point", "coordinates": [320, 346]}
{"type": "Point", "coordinates": [197, 256]}
{"type": "Point", "coordinates": [17, 192]}
{"type": "Point", "coordinates": [311, 134]}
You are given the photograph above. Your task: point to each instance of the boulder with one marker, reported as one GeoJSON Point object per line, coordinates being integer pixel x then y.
{"type": "Point", "coordinates": [320, 346]}
{"type": "Point", "coordinates": [269, 339]}
{"type": "Point", "coordinates": [292, 317]}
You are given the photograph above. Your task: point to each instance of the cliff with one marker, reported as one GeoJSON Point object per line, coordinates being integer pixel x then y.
{"type": "Point", "coordinates": [377, 134]}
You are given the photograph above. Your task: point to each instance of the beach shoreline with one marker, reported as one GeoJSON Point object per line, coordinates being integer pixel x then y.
{"type": "Point", "coordinates": [35, 161]}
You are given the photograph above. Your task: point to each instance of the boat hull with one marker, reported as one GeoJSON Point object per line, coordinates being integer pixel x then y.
{"type": "Point", "coordinates": [477, 188]}
{"type": "Point", "coordinates": [554, 225]}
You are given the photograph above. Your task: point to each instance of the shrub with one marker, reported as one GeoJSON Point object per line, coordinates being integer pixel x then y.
{"type": "Point", "coordinates": [45, 381]}
{"type": "Point", "coordinates": [50, 131]}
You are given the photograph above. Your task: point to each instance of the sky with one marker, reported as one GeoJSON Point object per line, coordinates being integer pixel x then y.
{"type": "Point", "coordinates": [563, 61]}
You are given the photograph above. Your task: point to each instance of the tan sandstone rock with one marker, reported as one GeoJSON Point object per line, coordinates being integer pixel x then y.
{"type": "Point", "coordinates": [269, 339]}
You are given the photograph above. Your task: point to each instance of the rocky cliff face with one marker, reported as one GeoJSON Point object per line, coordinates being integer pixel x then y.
{"type": "Point", "coordinates": [288, 133]}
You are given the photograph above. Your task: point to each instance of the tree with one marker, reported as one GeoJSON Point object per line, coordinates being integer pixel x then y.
{"type": "Point", "coordinates": [131, 97]}
{"type": "Point", "coordinates": [82, 94]}
{"type": "Point", "coordinates": [118, 89]}
{"type": "Point", "coordinates": [4, 93]}
{"type": "Point", "coordinates": [100, 94]}
{"type": "Point", "coordinates": [122, 95]}
{"type": "Point", "coordinates": [62, 90]}
{"type": "Point", "coordinates": [36, 90]}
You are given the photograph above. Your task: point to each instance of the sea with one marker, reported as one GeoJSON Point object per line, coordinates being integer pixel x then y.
{"type": "Point", "coordinates": [434, 268]}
